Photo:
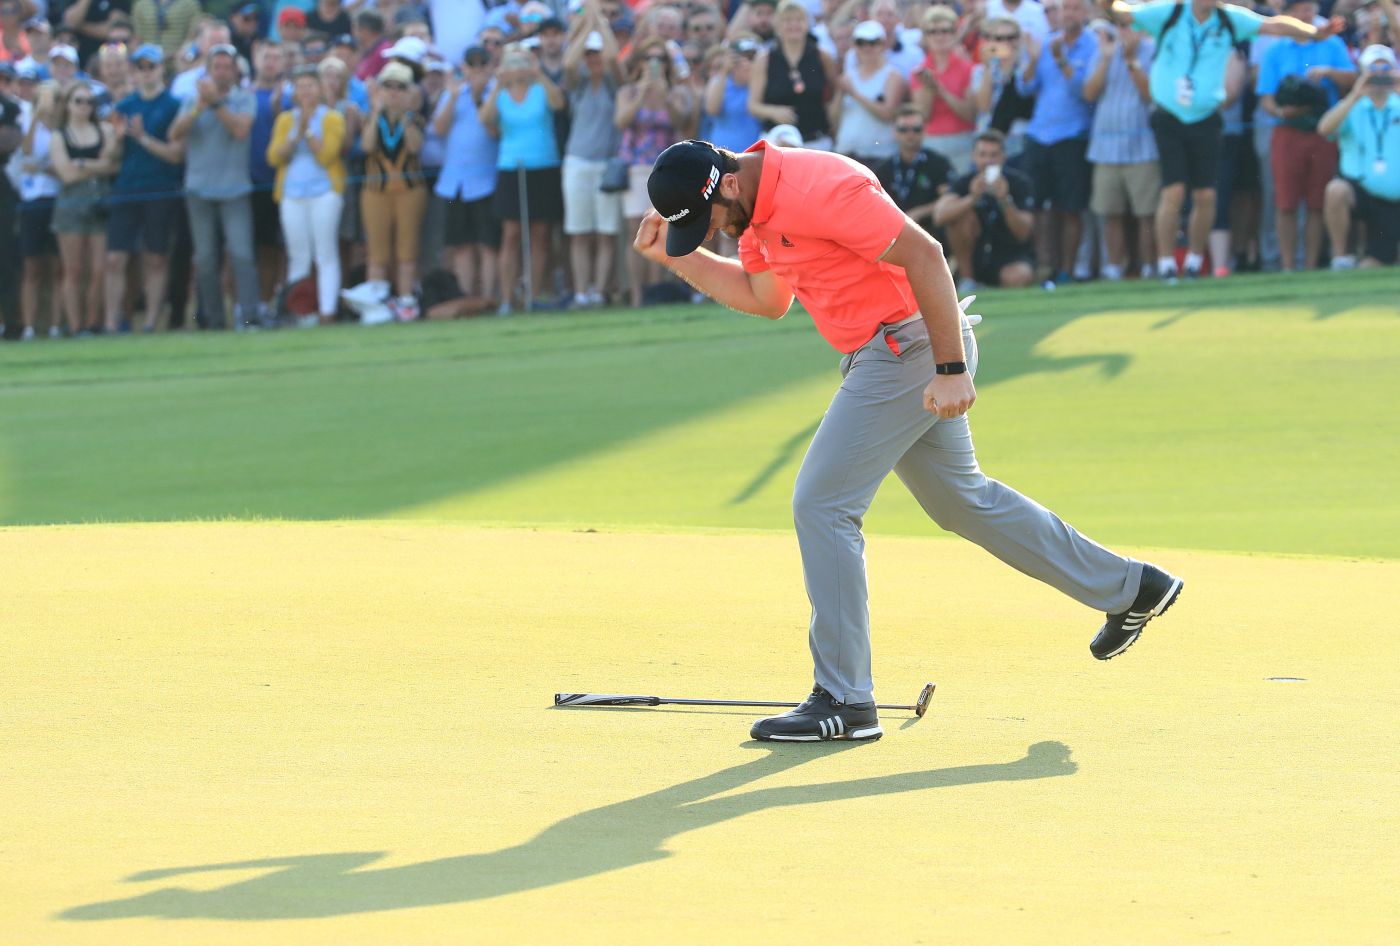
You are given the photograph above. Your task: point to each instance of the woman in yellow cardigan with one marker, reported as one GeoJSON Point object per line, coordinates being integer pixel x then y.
{"type": "Point", "coordinates": [305, 148]}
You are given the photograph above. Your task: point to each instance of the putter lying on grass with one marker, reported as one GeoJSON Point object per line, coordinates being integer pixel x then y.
{"type": "Point", "coordinates": [919, 707]}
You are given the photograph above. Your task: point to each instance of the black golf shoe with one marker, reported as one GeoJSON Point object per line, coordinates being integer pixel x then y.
{"type": "Point", "coordinates": [1157, 592]}
{"type": "Point", "coordinates": [820, 718]}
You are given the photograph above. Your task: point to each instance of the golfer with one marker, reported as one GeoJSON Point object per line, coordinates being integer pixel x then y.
{"type": "Point", "coordinates": [818, 226]}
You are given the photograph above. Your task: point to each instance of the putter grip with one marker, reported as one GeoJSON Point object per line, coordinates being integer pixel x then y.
{"type": "Point", "coordinates": [604, 699]}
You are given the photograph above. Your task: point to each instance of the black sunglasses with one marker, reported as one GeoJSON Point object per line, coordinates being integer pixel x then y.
{"type": "Point", "coordinates": [393, 86]}
{"type": "Point", "coordinates": [909, 131]}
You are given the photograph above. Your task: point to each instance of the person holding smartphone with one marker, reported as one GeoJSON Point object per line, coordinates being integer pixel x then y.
{"type": "Point", "coordinates": [989, 216]}
{"type": "Point", "coordinates": [1366, 125]}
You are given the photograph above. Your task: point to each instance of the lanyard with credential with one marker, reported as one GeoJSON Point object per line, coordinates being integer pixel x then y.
{"type": "Point", "coordinates": [1379, 129]}
{"type": "Point", "coordinates": [1196, 44]}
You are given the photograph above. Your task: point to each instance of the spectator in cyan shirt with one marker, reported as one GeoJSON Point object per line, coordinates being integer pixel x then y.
{"type": "Point", "coordinates": [1297, 83]}
{"type": "Point", "coordinates": [1194, 45]}
{"type": "Point", "coordinates": [1057, 139]}
{"type": "Point", "coordinates": [1367, 124]}
{"type": "Point", "coordinates": [520, 112]}
{"type": "Point", "coordinates": [1127, 177]}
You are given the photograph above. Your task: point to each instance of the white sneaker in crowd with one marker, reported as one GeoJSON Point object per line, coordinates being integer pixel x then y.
{"type": "Point", "coordinates": [1344, 262]}
{"type": "Point", "coordinates": [406, 308]}
{"type": "Point", "coordinates": [28, 334]}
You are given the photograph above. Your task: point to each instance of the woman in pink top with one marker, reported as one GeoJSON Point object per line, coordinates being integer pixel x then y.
{"type": "Point", "coordinates": [941, 90]}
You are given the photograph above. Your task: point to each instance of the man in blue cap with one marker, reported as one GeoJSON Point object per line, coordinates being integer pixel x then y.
{"type": "Point", "coordinates": [145, 200]}
{"type": "Point", "coordinates": [245, 29]}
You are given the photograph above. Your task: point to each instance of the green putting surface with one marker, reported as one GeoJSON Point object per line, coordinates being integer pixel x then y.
{"type": "Point", "coordinates": [342, 733]}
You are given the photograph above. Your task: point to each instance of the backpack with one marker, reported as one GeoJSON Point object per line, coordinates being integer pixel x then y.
{"type": "Point", "coordinates": [1177, 10]}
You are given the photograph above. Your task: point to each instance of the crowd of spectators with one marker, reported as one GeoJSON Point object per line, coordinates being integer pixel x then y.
{"type": "Point", "coordinates": [230, 164]}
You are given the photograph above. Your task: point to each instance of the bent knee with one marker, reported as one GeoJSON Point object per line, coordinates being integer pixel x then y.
{"type": "Point", "coordinates": [1340, 191]}
{"type": "Point", "coordinates": [1016, 275]}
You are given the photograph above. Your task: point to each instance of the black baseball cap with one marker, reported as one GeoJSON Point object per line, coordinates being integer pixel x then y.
{"type": "Point", "coordinates": [682, 188]}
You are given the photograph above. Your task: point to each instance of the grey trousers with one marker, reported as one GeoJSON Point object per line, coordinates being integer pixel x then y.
{"type": "Point", "coordinates": [877, 423]}
{"type": "Point", "coordinates": [215, 226]}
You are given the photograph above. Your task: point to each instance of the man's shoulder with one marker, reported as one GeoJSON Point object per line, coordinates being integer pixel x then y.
{"type": "Point", "coordinates": [817, 171]}
{"type": "Point", "coordinates": [931, 158]}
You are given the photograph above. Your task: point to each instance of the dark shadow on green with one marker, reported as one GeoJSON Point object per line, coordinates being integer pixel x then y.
{"type": "Point", "coordinates": [593, 842]}
{"type": "Point", "coordinates": [781, 458]}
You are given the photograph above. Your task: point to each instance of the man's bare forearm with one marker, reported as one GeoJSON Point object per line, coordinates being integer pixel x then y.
{"type": "Point", "coordinates": [726, 282]}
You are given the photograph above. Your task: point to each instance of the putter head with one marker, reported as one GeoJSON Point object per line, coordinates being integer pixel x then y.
{"type": "Point", "coordinates": [925, 695]}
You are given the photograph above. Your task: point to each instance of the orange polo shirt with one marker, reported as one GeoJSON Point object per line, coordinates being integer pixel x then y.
{"type": "Point", "coordinates": [822, 222]}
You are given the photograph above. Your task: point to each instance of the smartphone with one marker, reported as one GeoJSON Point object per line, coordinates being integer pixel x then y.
{"type": "Point", "coordinates": [1383, 79]}
{"type": "Point", "coordinates": [992, 174]}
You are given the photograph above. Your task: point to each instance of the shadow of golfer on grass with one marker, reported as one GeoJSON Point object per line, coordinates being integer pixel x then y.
{"type": "Point", "coordinates": [593, 842]}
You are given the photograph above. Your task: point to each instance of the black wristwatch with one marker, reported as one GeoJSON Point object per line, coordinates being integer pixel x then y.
{"type": "Point", "coordinates": [951, 367]}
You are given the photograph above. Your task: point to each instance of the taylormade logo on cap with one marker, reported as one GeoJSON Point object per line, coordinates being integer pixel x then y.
{"type": "Point", "coordinates": [683, 183]}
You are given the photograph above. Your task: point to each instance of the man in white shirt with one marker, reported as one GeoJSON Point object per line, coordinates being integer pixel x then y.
{"type": "Point", "coordinates": [455, 24]}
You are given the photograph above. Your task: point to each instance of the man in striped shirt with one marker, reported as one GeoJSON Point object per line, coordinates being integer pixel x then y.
{"type": "Point", "coordinates": [1127, 176]}
{"type": "Point", "coordinates": [167, 23]}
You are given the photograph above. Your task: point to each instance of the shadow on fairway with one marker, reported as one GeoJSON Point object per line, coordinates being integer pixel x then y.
{"type": "Point", "coordinates": [593, 842]}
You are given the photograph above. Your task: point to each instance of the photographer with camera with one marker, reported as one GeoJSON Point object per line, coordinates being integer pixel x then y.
{"type": "Point", "coordinates": [1367, 126]}
{"type": "Point", "coordinates": [1297, 83]}
{"type": "Point", "coordinates": [1194, 43]}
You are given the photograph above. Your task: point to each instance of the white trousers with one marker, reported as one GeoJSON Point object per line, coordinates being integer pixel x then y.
{"type": "Point", "coordinates": [311, 226]}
